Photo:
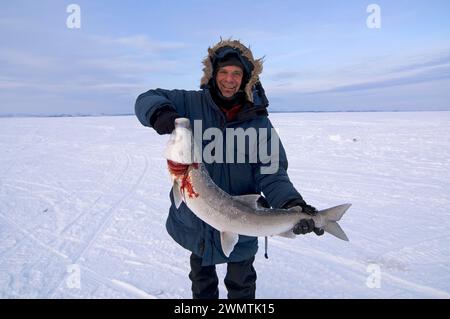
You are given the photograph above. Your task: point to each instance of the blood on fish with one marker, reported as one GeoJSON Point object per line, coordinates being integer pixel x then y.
{"type": "Point", "coordinates": [177, 169]}
{"type": "Point", "coordinates": [186, 185]}
{"type": "Point", "coordinates": [181, 170]}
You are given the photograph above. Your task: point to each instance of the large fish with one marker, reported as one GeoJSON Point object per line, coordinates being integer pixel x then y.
{"type": "Point", "coordinates": [232, 215]}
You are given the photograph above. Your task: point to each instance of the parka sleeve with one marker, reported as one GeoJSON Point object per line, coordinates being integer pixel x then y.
{"type": "Point", "coordinates": [151, 101]}
{"type": "Point", "coordinates": [271, 176]}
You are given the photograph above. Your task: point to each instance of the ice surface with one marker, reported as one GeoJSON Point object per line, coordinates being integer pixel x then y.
{"type": "Point", "coordinates": [83, 203]}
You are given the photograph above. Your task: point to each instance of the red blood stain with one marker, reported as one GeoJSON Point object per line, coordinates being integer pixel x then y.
{"type": "Point", "coordinates": [180, 170]}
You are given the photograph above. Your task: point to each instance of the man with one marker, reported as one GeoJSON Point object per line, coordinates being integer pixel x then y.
{"type": "Point", "coordinates": [231, 97]}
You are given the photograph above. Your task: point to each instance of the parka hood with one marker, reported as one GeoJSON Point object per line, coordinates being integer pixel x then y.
{"type": "Point", "coordinates": [253, 67]}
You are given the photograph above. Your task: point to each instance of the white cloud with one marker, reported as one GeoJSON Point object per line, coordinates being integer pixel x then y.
{"type": "Point", "coordinates": [21, 58]}
{"type": "Point", "coordinates": [129, 63]}
{"type": "Point", "coordinates": [141, 42]}
{"type": "Point", "coordinates": [377, 72]}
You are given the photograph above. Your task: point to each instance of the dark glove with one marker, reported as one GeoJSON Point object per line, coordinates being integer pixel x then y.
{"type": "Point", "coordinates": [307, 209]}
{"type": "Point", "coordinates": [164, 120]}
{"type": "Point", "coordinates": [304, 226]}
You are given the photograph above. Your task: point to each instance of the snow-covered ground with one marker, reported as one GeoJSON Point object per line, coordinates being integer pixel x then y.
{"type": "Point", "coordinates": [83, 203]}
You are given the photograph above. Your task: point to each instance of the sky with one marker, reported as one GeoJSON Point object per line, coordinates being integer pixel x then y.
{"type": "Point", "coordinates": [319, 55]}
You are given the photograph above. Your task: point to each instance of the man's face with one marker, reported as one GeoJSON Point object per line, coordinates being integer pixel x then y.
{"type": "Point", "coordinates": [229, 79]}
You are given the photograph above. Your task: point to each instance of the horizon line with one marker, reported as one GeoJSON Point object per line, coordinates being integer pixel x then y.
{"type": "Point", "coordinates": [23, 115]}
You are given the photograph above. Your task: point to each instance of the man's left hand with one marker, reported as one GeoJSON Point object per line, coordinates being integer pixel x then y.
{"type": "Point", "coordinates": [304, 226]}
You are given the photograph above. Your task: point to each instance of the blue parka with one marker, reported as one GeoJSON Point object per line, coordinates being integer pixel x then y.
{"type": "Point", "coordinates": [234, 178]}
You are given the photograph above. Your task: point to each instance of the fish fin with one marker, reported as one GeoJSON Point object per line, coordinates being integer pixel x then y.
{"type": "Point", "coordinates": [331, 216]}
{"type": "Point", "coordinates": [335, 213]}
{"type": "Point", "coordinates": [228, 240]}
{"type": "Point", "coordinates": [288, 234]}
{"type": "Point", "coordinates": [177, 197]}
{"type": "Point", "coordinates": [334, 229]}
{"type": "Point", "coordinates": [255, 201]}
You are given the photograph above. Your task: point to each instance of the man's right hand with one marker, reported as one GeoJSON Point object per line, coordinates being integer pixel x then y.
{"type": "Point", "coordinates": [164, 122]}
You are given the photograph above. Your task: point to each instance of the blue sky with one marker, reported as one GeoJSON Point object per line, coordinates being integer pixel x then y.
{"type": "Point", "coordinates": [319, 55]}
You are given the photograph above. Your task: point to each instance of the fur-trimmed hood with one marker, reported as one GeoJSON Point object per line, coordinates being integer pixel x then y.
{"type": "Point", "coordinates": [253, 66]}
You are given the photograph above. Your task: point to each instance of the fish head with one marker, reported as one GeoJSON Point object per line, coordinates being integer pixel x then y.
{"type": "Point", "coordinates": [180, 150]}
